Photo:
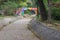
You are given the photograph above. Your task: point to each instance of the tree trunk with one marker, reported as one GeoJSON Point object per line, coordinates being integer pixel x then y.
{"type": "Point", "coordinates": [42, 10]}
{"type": "Point", "coordinates": [49, 10]}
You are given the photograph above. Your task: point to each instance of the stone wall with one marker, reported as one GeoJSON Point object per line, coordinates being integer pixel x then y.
{"type": "Point", "coordinates": [44, 32]}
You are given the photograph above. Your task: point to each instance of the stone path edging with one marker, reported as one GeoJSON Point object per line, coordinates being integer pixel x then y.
{"type": "Point", "coordinates": [44, 32]}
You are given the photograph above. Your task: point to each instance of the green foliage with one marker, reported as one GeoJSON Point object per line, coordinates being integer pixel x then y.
{"type": "Point", "coordinates": [56, 10]}
{"type": "Point", "coordinates": [29, 4]}
{"type": "Point", "coordinates": [23, 4]}
{"type": "Point", "coordinates": [56, 13]}
{"type": "Point", "coordinates": [54, 1]}
{"type": "Point", "coordinates": [46, 4]}
{"type": "Point", "coordinates": [9, 7]}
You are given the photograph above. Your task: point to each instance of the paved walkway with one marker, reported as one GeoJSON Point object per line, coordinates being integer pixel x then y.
{"type": "Point", "coordinates": [17, 31]}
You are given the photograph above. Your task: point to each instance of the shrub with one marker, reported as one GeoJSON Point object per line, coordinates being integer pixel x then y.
{"type": "Point", "coordinates": [56, 13]}
{"type": "Point", "coordinates": [9, 7]}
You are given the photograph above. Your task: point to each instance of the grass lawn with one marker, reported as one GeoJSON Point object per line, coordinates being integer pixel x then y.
{"type": "Point", "coordinates": [1, 17]}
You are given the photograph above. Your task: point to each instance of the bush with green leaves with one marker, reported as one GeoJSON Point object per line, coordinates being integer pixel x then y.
{"type": "Point", "coordinates": [56, 13]}
{"type": "Point", "coordinates": [9, 7]}
{"type": "Point", "coordinates": [55, 10]}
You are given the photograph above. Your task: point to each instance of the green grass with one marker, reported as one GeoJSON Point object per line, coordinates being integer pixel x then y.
{"type": "Point", "coordinates": [1, 17]}
{"type": "Point", "coordinates": [9, 16]}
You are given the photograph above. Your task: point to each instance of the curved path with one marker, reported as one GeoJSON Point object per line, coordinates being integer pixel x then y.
{"type": "Point", "coordinates": [17, 31]}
